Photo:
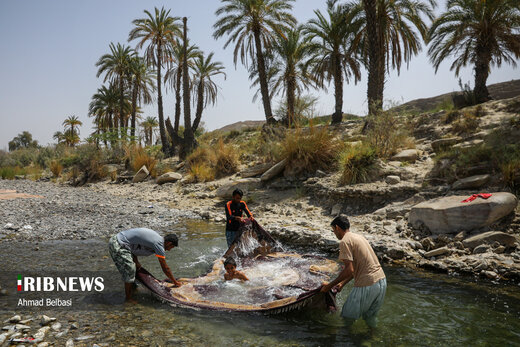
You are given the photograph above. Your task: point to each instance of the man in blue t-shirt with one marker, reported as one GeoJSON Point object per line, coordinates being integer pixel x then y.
{"type": "Point", "coordinates": [125, 246]}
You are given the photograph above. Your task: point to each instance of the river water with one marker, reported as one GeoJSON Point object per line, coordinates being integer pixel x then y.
{"type": "Point", "coordinates": [420, 309]}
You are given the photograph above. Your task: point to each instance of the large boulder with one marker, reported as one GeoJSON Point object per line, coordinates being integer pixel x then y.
{"type": "Point", "coordinates": [274, 171]}
{"type": "Point", "coordinates": [408, 155]}
{"type": "Point", "coordinates": [490, 237]}
{"type": "Point", "coordinates": [169, 177]}
{"type": "Point", "coordinates": [471, 182]}
{"type": "Point", "coordinates": [141, 175]}
{"type": "Point", "coordinates": [255, 170]}
{"type": "Point", "coordinates": [245, 184]}
{"type": "Point", "coordinates": [450, 215]}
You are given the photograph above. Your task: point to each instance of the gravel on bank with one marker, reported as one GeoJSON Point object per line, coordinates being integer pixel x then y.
{"type": "Point", "coordinates": [66, 212]}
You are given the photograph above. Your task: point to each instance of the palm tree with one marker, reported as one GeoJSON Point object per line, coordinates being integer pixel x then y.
{"type": "Point", "coordinates": [252, 25]}
{"type": "Point", "coordinates": [291, 49]}
{"type": "Point", "coordinates": [483, 33]}
{"type": "Point", "coordinates": [332, 52]}
{"type": "Point", "coordinates": [207, 89]}
{"type": "Point", "coordinates": [396, 39]}
{"type": "Point", "coordinates": [104, 106]}
{"type": "Point", "coordinates": [59, 137]}
{"type": "Point", "coordinates": [159, 32]}
{"type": "Point", "coordinates": [148, 125]}
{"type": "Point", "coordinates": [141, 79]}
{"type": "Point", "coordinates": [71, 138]}
{"type": "Point", "coordinates": [116, 67]}
{"type": "Point", "coordinates": [71, 122]}
{"type": "Point", "coordinates": [174, 76]}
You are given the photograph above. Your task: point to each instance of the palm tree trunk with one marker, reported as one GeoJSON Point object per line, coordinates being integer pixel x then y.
{"type": "Point", "coordinates": [164, 139]}
{"type": "Point", "coordinates": [373, 56]}
{"type": "Point", "coordinates": [176, 139]}
{"type": "Point", "coordinates": [337, 116]}
{"type": "Point", "coordinates": [291, 87]}
{"type": "Point", "coordinates": [188, 133]}
{"type": "Point", "coordinates": [171, 132]}
{"type": "Point", "coordinates": [134, 111]}
{"type": "Point", "coordinates": [121, 103]}
{"type": "Point", "coordinates": [481, 74]}
{"type": "Point", "coordinates": [263, 78]}
{"type": "Point", "coordinates": [200, 104]}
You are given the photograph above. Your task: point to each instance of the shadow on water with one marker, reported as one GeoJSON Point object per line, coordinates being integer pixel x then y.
{"type": "Point", "coordinates": [420, 309]}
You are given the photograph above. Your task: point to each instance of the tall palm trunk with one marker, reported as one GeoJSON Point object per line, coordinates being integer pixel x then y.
{"type": "Point", "coordinates": [481, 74]}
{"type": "Point", "coordinates": [134, 111]}
{"type": "Point", "coordinates": [176, 139]}
{"type": "Point", "coordinates": [188, 133]}
{"type": "Point", "coordinates": [264, 90]}
{"type": "Point", "coordinates": [200, 105]}
{"type": "Point", "coordinates": [162, 130]}
{"type": "Point", "coordinates": [291, 88]}
{"type": "Point", "coordinates": [337, 116]}
{"type": "Point", "coordinates": [373, 94]}
{"type": "Point", "coordinates": [121, 105]}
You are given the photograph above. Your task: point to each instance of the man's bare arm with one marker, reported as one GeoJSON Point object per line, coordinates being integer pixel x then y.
{"type": "Point", "coordinates": [344, 277]}
{"type": "Point", "coordinates": [167, 272]}
{"type": "Point", "coordinates": [136, 261]}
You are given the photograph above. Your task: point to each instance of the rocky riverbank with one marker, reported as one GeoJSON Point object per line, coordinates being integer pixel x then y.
{"type": "Point", "coordinates": [298, 215]}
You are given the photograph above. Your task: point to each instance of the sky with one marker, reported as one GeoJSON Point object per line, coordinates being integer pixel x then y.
{"type": "Point", "coordinates": [49, 50]}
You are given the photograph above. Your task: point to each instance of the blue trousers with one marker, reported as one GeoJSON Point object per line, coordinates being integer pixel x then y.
{"type": "Point", "coordinates": [365, 302]}
{"type": "Point", "coordinates": [230, 237]}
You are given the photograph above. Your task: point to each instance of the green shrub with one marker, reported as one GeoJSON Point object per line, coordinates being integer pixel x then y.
{"type": "Point", "coordinates": [24, 156]}
{"type": "Point", "coordinates": [357, 163]}
{"type": "Point", "coordinates": [9, 172]}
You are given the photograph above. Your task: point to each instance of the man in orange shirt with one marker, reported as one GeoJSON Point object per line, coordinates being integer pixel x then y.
{"type": "Point", "coordinates": [234, 211]}
{"type": "Point", "coordinates": [361, 263]}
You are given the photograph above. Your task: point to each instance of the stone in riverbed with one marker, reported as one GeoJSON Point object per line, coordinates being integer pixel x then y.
{"type": "Point", "coordinates": [392, 179]}
{"type": "Point", "coordinates": [450, 215]}
{"type": "Point", "coordinates": [504, 239]}
{"type": "Point", "coordinates": [3, 337]}
{"type": "Point", "coordinates": [408, 155]}
{"type": "Point", "coordinates": [69, 343]}
{"type": "Point", "coordinates": [471, 182]}
{"type": "Point", "coordinates": [245, 184]}
{"type": "Point", "coordinates": [141, 175]}
{"type": "Point", "coordinates": [436, 252]}
{"type": "Point", "coordinates": [274, 171]}
{"type": "Point", "coordinates": [14, 319]}
{"type": "Point", "coordinates": [169, 177]}
{"type": "Point", "coordinates": [481, 249]}
{"type": "Point", "coordinates": [46, 320]}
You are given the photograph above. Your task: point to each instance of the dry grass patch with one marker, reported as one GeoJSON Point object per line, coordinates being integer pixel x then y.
{"type": "Point", "coordinates": [56, 168]}
{"type": "Point", "coordinates": [316, 150]}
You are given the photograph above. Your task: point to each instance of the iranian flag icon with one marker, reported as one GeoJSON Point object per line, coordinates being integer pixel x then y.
{"type": "Point", "coordinates": [19, 283]}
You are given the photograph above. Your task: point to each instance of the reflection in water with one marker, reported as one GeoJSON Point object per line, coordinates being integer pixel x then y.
{"type": "Point", "coordinates": [419, 309]}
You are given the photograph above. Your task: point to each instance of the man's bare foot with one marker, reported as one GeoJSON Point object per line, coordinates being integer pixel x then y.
{"type": "Point", "coordinates": [130, 301]}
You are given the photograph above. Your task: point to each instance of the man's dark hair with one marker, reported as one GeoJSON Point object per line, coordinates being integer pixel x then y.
{"type": "Point", "coordinates": [239, 192]}
{"type": "Point", "coordinates": [230, 261]}
{"type": "Point", "coordinates": [172, 238]}
{"type": "Point", "coordinates": [341, 221]}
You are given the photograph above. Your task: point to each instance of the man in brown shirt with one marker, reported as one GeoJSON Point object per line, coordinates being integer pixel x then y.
{"type": "Point", "coordinates": [361, 263]}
